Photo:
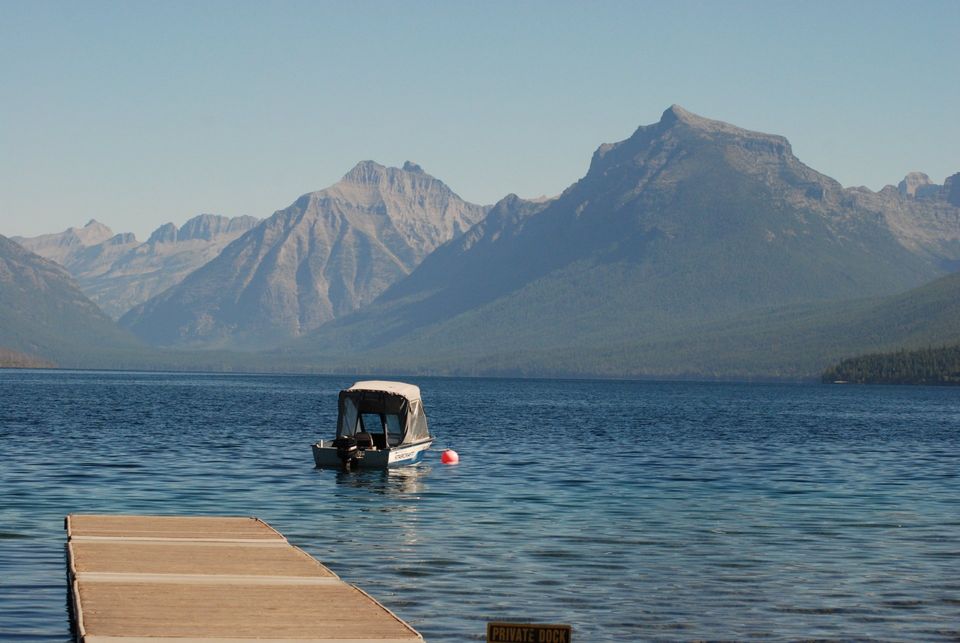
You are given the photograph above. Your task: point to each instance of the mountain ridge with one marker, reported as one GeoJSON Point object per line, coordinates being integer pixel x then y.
{"type": "Point", "coordinates": [675, 239]}
{"type": "Point", "coordinates": [43, 314]}
{"type": "Point", "coordinates": [117, 271]}
{"type": "Point", "coordinates": [685, 222]}
{"type": "Point", "coordinates": [323, 256]}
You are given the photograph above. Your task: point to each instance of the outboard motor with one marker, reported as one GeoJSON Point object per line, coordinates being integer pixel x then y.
{"type": "Point", "coordinates": [347, 451]}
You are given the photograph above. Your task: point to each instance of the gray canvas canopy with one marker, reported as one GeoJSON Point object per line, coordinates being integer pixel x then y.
{"type": "Point", "coordinates": [391, 409]}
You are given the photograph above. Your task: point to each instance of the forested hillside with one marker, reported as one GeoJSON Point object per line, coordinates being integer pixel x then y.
{"type": "Point", "coordinates": [16, 359]}
{"type": "Point", "coordinates": [925, 366]}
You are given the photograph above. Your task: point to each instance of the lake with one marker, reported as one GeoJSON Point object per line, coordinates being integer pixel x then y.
{"type": "Point", "coordinates": [631, 510]}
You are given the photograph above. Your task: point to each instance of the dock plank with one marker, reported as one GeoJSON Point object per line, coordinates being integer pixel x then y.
{"type": "Point", "coordinates": [167, 527]}
{"type": "Point", "coordinates": [207, 610]}
{"type": "Point", "coordinates": [210, 579]}
{"type": "Point", "coordinates": [152, 557]}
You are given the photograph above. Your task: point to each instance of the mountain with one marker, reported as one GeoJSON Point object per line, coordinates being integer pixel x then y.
{"type": "Point", "coordinates": [62, 247]}
{"type": "Point", "coordinates": [687, 223]}
{"type": "Point", "coordinates": [43, 314]}
{"type": "Point", "coordinates": [143, 270]}
{"type": "Point", "coordinates": [326, 255]}
{"type": "Point", "coordinates": [923, 216]}
{"type": "Point", "coordinates": [119, 272]}
{"type": "Point", "coordinates": [794, 341]}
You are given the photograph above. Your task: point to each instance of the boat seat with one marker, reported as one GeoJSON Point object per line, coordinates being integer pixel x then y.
{"type": "Point", "coordinates": [364, 440]}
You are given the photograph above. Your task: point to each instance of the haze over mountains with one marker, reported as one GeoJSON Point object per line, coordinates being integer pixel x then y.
{"type": "Point", "coordinates": [43, 314]}
{"type": "Point", "coordinates": [689, 221]}
{"type": "Point", "coordinates": [119, 272]}
{"type": "Point", "coordinates": [327, 254]}
{"type": "Point", "coordinates": [693, 247]}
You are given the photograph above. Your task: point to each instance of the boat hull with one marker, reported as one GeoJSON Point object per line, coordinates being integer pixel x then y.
{"type": "Point", "coordinates": [325, 456]}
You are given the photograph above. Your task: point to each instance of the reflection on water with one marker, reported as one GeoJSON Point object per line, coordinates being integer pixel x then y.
{"type": "Point", "coordinates": [633, 511]}
{"type": "Point", "coordinates": [397, 512]}
{"type": "Point", "coordinates": [402, 482]}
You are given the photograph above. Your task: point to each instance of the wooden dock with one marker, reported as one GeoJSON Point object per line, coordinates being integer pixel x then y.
{"type": "Point", "coordinates": [157, 579]}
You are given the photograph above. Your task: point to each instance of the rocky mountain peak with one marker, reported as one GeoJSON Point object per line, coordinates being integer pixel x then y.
{"type": "Point", "coordinates": [951, 189]}
{"type": "Point", "coordinates": [210, 226]}
{"type": "Point", "coordinates": [371, 173]}
{"type": "Point", "coordinates": [678, 117]}
{"type": "Point", "coordinates": [365, 172]}
{"type": "Point", "coordinates": [677, 114]}
{"type": "Point", "coordinates": [92, 233]}
{"type": "Point", "coordinates": [917, 185]}
{"type": "Point", "coordinates": [369, 183]}
{"type": "Point", "coordinates": [61, 246]}
{"type": "Point", "coordinates": [509, 201]}
{"type": "Point", "coordinates": [167, 233]}
{"type": "Point", "coordinates": [202, 226]}
{"type": "Point", "coordinates": [325, 255]}
{"type": "Point", "coordinates": [681, 134]}
{"type": "Point", "coordinates": [205, 227]}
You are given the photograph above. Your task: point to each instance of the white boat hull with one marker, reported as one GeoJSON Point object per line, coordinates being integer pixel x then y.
{"type": "Point", "coordinates": [325, 456]}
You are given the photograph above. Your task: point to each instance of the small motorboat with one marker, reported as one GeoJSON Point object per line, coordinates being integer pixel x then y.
{"type": "Point", "coordinates": [379, 425]}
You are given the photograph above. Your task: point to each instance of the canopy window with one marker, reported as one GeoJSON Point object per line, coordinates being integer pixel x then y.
{"type": "Point", "coordinates": [390, 411]}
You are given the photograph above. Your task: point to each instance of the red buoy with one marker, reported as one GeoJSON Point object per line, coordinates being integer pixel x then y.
{"type": "Point", "coordinates": [449, 456]}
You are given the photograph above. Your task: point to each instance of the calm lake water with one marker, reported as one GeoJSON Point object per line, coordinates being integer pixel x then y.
{"type": "Point", "coordinates": [632, 511]}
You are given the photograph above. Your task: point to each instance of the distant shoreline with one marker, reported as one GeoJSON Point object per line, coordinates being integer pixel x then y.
{"type": "Point", "coordinates": [932, 366]}
{"type": "Point", "coordinates": [14, 359]}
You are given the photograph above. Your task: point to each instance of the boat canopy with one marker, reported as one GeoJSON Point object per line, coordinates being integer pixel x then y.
{"type": "Point", "coordinates": [392, 410]}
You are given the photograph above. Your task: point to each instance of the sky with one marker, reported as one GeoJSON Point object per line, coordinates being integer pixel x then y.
{"type": "Point", "coordinates": [139, 113]}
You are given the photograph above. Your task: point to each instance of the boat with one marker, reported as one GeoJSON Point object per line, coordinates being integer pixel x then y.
{"type": "Point", "coordinates": [379, 425]}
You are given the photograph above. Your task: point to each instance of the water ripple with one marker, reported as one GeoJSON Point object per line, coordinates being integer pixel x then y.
{"type": "Point", "coordinates": [633, 511]}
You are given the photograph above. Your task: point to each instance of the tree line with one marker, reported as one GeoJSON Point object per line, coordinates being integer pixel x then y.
{"type": "Point", "coordinates": [15, 359]}
{"type": "Point", "coordinates": [931, 365]}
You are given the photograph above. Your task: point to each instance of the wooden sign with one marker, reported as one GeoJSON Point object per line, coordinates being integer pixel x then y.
{"type": "Point", "coordinates": [528, 633]}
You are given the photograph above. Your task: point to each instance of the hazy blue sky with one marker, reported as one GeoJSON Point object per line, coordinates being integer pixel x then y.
{"type": "Point", "coordinates": [138, 113]}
